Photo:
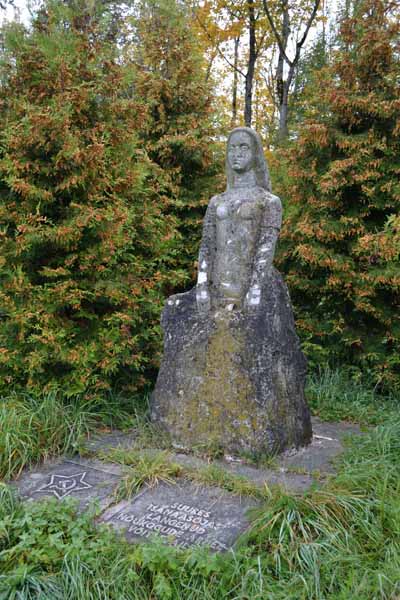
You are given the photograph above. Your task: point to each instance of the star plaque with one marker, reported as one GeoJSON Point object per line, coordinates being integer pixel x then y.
{"type": "Point", "coordinates": [63, 485]}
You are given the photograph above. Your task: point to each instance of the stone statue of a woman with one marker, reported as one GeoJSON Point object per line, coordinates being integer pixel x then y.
{"type": "Point", "coordinates": [240, 229]}
{"type": "Point", "coordinates": [232, 373]}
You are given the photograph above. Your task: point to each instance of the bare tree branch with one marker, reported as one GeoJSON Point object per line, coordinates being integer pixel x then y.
{"type": "Point", "coordinates": [260, 44]}
{"type": "Point", "coordinates": [5, 3]}
{"type": "Point", "coordinates": [299, 44]}
{"type": "Point", "coordinates": [276, 34]}
{"type": "Point", "coordinates": [283, 83]}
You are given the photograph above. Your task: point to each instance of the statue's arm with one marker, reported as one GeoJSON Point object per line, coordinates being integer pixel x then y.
{"type": "Point", "coordinates": [269, 233]}
{"type": "Point", "coordinates": [206, 258]}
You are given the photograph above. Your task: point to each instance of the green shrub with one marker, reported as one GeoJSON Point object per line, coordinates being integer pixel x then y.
{"type": "Point", "coordinates": [180, 133]}
{"type": "Point", "coordinates": [340, 242]}
{"type": "Point", "coordinates": [84, 233]}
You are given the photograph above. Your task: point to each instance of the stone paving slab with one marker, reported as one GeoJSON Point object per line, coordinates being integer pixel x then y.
{"type": "Point", "coordinates": [96, 463]}
{"type": "Point", "coordinates": [184, 515]}
{"type": "Point", "coordinates": [85, 480]}
{"type": "Point", "coordinates": [295, 482]}
{"type": "Point", "coordinates": [326, 445]}
{"type": "Point", "coordinates": [111, 440]}
{"type": "Point", "coordinates": [294, 470]}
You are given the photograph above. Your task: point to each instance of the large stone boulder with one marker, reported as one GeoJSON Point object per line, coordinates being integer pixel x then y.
{"type": "Point", "coordinates": [233, 378]}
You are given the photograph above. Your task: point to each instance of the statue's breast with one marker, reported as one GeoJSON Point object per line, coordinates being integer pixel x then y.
{"type": "Point", "coordinates": [223, 211]}
{"type": "Point", "coordinates": [238, 219]}
{"type": "Point", "coordinates": [244, 210]}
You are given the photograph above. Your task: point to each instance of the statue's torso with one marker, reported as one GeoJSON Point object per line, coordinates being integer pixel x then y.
{"type": "Point", "coordinates": [238, 217]}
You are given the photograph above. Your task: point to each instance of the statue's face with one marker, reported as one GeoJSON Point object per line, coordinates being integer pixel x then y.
{"type": "Point", "coordinates": [240, 152]}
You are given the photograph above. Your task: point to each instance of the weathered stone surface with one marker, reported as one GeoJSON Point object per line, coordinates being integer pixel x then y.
{"type": "Point", "coordinates": [112, 439]}
{"type": "Point", "coordinates": [326, 445]}
{"type": "Point", "coordinates": [184, 515]}
{"type": "Point", "coordinates": [259, 476]}
{"type": "Point", "coordinates": [233, 373]}
{"type": "Point", "coordinates": [293, 470]}
{"type": "Point", "coordinates": [236, 379]}
{"type": "Point", "coordinates": [82, 479]}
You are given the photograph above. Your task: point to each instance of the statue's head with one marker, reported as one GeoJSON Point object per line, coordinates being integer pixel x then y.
{"type": "Point", "coordinates": [244, 153]}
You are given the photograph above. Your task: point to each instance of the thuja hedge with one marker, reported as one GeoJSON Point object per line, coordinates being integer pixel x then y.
{"type": "Point", "coordinates": [85, 231]}
{"type": "Point", "coordinates": [182, 136]}
{"type": "Point", "coordinates": [340, 245]}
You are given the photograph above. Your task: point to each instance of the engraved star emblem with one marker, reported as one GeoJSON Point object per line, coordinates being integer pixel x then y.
{"type": "Point", "coordinates": [63, 485]}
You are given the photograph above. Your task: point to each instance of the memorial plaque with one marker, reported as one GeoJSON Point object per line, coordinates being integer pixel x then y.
{"type": "Point", "coordinates": [81, 479]}
{"type": "Point", "coordinates": [183, 515]}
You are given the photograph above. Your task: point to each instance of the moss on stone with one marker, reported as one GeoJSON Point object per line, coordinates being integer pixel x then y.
{"type": "Point", "coordinates": [220, 409]}
{"type": "Point", "coordinates": [229, 381]}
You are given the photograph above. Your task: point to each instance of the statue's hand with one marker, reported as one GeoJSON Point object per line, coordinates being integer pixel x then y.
{"type": "Point", "coordinates": [203, 299]}
{"type": "Point", "coordinates": [253, 297]}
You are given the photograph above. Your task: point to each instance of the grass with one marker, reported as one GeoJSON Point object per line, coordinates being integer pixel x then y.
{"type": "Point", "coordinates": [144, 468]}
{"type": "Point", "coordinates": [152, 467]}
{"type": "Point", "coordinates": [339, 542]}
{"type": "Point", "coordinates": [215, 475]}
{"type": "Point", "coordinates": [334, 395]}
{"type": "Point", "coordinates": [35, 428]}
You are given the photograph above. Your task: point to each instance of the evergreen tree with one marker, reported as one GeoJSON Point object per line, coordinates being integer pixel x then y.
{"type": "Point", "coordinates": [84, 237]}
{"type": "Point", "coordinates": [341, 240]}
{"type": "Point", "coordinates": [178, 133]}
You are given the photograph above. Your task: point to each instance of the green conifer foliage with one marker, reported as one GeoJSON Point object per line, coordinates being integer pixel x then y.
{"type": "Point", "coordinates": [341, 241]}
{"type": "Point", "coordinates": [178, 135]}
{"type": "Point", "coordinates": [83, 234]}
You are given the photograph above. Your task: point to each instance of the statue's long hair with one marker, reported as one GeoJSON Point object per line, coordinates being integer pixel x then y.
{"type": "Point", "coordinates": [260, 164]}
